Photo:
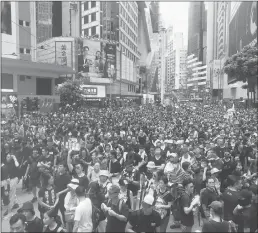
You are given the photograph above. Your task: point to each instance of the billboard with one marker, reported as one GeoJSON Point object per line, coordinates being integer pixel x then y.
{"type": "Point", "coordinates": [97, 58]}
{"type": "Point", "coordinates": [243, 27]}
{"type": "Point", "coordinates": [94, 91]}
{"type": "Point", "coordinates": [6, 22]}
{"type": "Point", "coordinates": [64, 53]}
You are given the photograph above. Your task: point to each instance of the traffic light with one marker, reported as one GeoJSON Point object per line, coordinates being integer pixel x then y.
{"type": "Point", "coordinates": [28, 104]}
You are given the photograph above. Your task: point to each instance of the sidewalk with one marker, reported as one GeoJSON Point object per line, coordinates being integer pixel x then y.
{"type": "Point", "coordinates": [22, 197]}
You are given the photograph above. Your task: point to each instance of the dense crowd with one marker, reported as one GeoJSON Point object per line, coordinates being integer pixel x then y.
{"type": "Point", "coordinates": [131, 169]}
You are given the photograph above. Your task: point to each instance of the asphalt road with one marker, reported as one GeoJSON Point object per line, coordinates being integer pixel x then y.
{"type": "Point", "coordinates": [24, 196]}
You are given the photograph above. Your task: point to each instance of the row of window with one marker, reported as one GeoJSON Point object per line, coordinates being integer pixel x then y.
{"type": "Point", "coordinates": [128, 30]}
{"type": "Point", "coordinates": [86, 5]}
{"type": "Point", "coordinates": [129, 10]}
{"type": "Point", "coordinates": [24, 23]}
{"type": "Point", "coordinates": [93, 31]}
{"type": "Point", "coordinates": [131, 88]}
{"type": "Point", "coordinates": [126, 16]}
{"type": "Point", "coordinates": [24, 51]}
{"type": "Point", "coordinates": [130, 55]}
{"type": "Point", "coordinates": [128, 42]}
{"type": "Point", "coordinates": [93, 18]}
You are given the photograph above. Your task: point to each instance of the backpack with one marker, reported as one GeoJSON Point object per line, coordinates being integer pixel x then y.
{"type": "Point", "coordinates": [95, 217]}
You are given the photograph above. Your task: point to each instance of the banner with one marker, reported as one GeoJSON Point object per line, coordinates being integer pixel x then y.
{"type": "Point", "coordinates": [110, 66]}
{"type": "Point", "coordinates": [91, 59]}
{"type": "Point", "coordinates": [97, 59]}
{"type": "Point", "coordinates": [64, 53]}
{"type": "Point", "coordinates": [6, 15]}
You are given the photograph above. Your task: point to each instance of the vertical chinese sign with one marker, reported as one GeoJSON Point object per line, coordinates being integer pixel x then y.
{"type": "Point", "coordinates": [64, 53]}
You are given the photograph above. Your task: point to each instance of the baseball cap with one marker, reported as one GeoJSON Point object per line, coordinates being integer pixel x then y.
{"type": "Point", "coordinates": [216, 206]}
{"type": "Point", "coordinates": [26, 206]}
{"type": "Point", "coordinates": [148, 199]}
{"type": "Point", "coordinates": [245, 194]}
{"type": "Point", "coordinates": [74, 184]}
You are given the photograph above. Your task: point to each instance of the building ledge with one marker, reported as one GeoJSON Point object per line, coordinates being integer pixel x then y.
{"type": "Point", "coordinates": [30, 68]}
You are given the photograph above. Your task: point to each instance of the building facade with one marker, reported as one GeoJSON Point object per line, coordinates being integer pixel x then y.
{"type": "Point", "coordinates": [197, 20]}
{"type": "Point", "coordinates": [229, 29]}
{"type": "Point", "coordinates": [22, 75]}
{"type": "Point", "coordinates": [129, 25]}
{"type": "Point", "coordinates": [196, 76]}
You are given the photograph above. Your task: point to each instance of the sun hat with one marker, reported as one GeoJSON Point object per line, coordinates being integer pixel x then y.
{"type": "Point", "coordinates": [104, 173]}
{"type": "Point", "coordinates": [214, 170]}
{"type": "Point", "coordinates": [74, 184]}
{"type": "Point", "coordinates": [148, 199]}
{"type": "Point", "coordinates": [151, 165]}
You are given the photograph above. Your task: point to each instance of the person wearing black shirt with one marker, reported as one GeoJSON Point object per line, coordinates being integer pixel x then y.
{"type": "Point", "coordinates": [158, 159]}
{"type": "Point", "coordinates": [187, 206]}
{"type": "Point", "coordinates": [135, 145]}
{"type": "Point", "coordinates": [208, 195]}
{"type": "Point", "coordinates": [215, 223]}
{"type": "Point", "coordinates": [52, 222]}
{"type": "Point", "coordinates": [13, 173]}
{"type": "Point", "coordinates": [33, 223]}
{"type": "Point", "coordinates": [142, 138]}
{"type": "Point", "coordinates": [114, 165]}
{"type": "Point", "coordinates": [62, 179]}
{"type": "Point", "coordinates": [145, 219]}
{"type": "Point", "coordinates": [33, 173]}
{"type": "Point", "coordinates": [230, 196]}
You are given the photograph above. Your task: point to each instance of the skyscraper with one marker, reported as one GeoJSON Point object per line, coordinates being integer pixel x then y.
{"type": "Point", "coordinates": [43, 20]}
{"type": "Point", "coordinates": [197, 18]}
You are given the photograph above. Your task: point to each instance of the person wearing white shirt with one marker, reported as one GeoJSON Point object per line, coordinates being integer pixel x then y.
{"type": "Point", "coordinates": [83, 212]}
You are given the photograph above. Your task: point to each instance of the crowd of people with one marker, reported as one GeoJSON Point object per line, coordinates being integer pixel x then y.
{"type": "Point", "coordinates": [132, 169]}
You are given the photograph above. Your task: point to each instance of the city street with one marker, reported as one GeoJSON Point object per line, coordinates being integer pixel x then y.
{"type": "Point", "coordinates": [157, 96]}
{"type": "Point", "coordinates": [23, 197]}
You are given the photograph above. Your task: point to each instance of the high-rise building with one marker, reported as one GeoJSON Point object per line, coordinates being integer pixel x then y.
{"type": "Point", "coordinates": [197, 48]}
{"type": "Point", "coordinates": [44, 20]}
{"type": "Point", "coordinates": [22, 76]}
{"type": "Point", "coordinates": [180, 54]}
{"type": "Point", "coordinates": [197, 19]}
{"type": "Point", "coordinates": [229, 30]}
{"type": "Point", "coordinates": [128, 24]}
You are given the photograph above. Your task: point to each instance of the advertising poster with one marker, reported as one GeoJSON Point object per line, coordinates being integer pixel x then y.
{"type": "Point", "coordinates": [110, 66]}
{"type": "Point", "coordinates": [91, 58]}
{"type": "Point", "coordinates": [64, 53]}
{"type": "Point", "coordinates": [98, 58]}
{"type": "Point", "coordinates": [6, 15]}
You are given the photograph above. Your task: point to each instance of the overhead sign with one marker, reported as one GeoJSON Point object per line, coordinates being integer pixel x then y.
{"type": "Point", "coordinates": [94, 91]}
{"type": "Point", "coordinates": [90, 90]}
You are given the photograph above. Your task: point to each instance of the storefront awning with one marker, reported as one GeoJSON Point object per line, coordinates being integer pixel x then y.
{"type": "Point", "coordinates": [30, 68]}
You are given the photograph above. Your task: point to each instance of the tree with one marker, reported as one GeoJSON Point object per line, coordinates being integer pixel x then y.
{"type": "Point", "coordinates": [71, 95]}
{"type": "Point", "coordinates": [242, 66]}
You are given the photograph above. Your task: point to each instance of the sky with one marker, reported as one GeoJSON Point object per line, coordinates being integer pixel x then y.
{"type": "Point", "coordinates": [175, 14]}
